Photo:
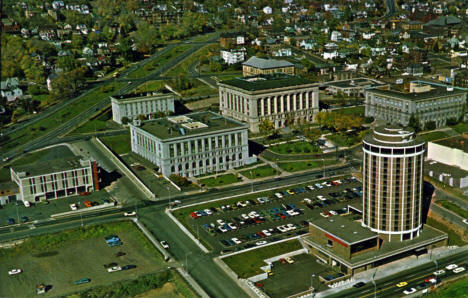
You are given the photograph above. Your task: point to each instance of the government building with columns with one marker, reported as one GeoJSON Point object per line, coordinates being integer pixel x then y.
{"type": "Point", "coordinates": [278, 98]}
{"type": "Point", "coordinates": [192, 144]}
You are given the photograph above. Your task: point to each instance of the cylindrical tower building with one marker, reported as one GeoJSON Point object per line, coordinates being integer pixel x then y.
{"type": "Point", "coordinates": [392, 185]}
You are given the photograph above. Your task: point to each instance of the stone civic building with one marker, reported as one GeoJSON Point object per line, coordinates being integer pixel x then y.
{"type": "Point", "coordinates": [426, 100]}
{"type": "Point", "coordinates": [280, 99]}
{"type": "Point", "coordinates": [192, 144]}
{"type": "Point", "coordinates": [130, 106]}
{"type": "Point", "coordinates": [258, 66]}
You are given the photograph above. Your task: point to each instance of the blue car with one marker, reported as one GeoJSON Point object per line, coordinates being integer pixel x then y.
{"type": "Point", "coordinates": [11, 221]}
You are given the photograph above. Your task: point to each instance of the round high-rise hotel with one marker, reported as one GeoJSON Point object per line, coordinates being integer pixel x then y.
{"type": "Point", "coordinates": [393, 182]}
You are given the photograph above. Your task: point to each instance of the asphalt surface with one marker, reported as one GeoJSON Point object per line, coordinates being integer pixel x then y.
{"type": "Point", "coordinates": [386, 287]}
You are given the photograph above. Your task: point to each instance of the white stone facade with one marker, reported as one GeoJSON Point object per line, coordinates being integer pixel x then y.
{"type": "Point", "coordinates": [131, 107]}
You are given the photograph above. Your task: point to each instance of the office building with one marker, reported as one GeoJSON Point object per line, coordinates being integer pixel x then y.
{"type": "Point", "coordinates": [353, 87]}
{"type": "Point", "coordinates": [393, 182]}
{"type": "Point", "coordinates": [130, 106]}
{"type": "Point", "coordinates": [282, 99]}
{"type": "Point", "coordinates": [426, 100]}
{"type": "Point", "coordinates": [55, 178]}
{"type": "Point", "coordinates": [192, 144]}
{"type": "Point", "coordinates": [258, 66]}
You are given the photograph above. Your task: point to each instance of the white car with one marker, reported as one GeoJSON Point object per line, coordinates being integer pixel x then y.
{"type": "Point", "coordinates": [133, 213]}
{"type": "Point", "coordinates": [451, 266]}
{"type": "Point", "coordinates": [222, 229]}
{"type": "Point", "coordinates": [307, 201]}
{"type": "Point", "coordinates": [282, 229]}
{"type": "Point", "coordinates": [266, 232]}
{"type": "Point", "coordinates": [321, 198]}
{"type": "Point", "coordinates": [164, 244]}
{"type": "Point", "coordinates": [14, 271]}
{"type": "Point", "coordinates": [409, 291]}
{"type": "Point", "coordinates": [439, 272]}
{"type": "Point", "coordinates": [465, 221]}
{"type": "Point", "coordinates": [261, 243]}
{"type": "Point", "coordinates": [27, 204]}
{"type": "Point", "coordinates": [232, 226]}
{"type": "Point", "coordinates": [74, 207]}
{"type": "Point", "coordinates": [244, 216]}
{"type": "Point", "coordinates": [291, 226]}
{"type": "Point", "coordinates": [459, 269]}
{"type": "Point", "coordinates": [236, 241]}
{"type": "Point", "coordinates": [310, 187]}
{"type": "Point", "coordinates": [208, 211]}
{"type": "Point", "coordinates": [333, 212]}
{"type": "Point", "coordinates": [278, 195]}
{"type": "Point", "coordinates": [114, 269]}
{"type": "Point", "coordinates": [220, 221]}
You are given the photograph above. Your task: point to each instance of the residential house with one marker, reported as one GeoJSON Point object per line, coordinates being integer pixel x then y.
{"type": "Point", "coordinates": [233, 56]}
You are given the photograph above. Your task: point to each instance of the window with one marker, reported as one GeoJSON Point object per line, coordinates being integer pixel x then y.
{"type": "Point", "coordinates": [330, 243]}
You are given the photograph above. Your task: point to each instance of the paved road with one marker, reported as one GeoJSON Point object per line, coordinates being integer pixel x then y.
{"type": "Point", "coordinates": [386, 287]}
{"type": "Point", "coordinates": [51, 137]}
{"type": "Point", "coordinates": [449, 216]}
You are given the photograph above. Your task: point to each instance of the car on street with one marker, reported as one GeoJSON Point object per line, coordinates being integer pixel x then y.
{"type": "Point", "coordinates": [263, 242]}
{"type": "Point", "coordinates": [459, 269]}
{"type": "Point", "coordinates": [15, 271]}
{"type": "Point", "coordinates": [451, 266]}
{"type": "Point", "coordinates": [164, 244]}
{"type": "Point", "coordinates": [359, 284]}
{"type": "Point", "coordinates": [439, 272]}
{"type": "Point", "coordinates": [409, 291]}
{"type": "Point", "coordinates": [401, 284]}
{"type": "Point", "coordinates": [132, 213]}
{"type": "Point", "coordinates": [114, 269]}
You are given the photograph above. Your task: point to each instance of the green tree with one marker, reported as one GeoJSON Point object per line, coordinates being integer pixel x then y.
{"type": "Point", "coordinates": [430, 125]}
{"type": "Point", "coordinates": [414, 123]}
{"type": "Point", "coordinates": [266, 127]}
{"type": "Point", "coordinates": [145, 37]}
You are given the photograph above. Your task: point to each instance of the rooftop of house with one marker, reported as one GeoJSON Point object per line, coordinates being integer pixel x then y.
{"type": "Point", "coordinates": [419, 90]}
{"type": "Point", "coordinates": [189, 125]}
{"type": "Point", "coordinates": [266, 63]}
{"type": "Point", "coordinates": [354, 83]}
{"type": "Point", "coordinates": [444, 21]}
{"type": "Point", "coordinates": [266, 82]}
{"type": "Point", "coordinates": [458, 142]}
{"type": "Point", "coordinates": [344, 229]}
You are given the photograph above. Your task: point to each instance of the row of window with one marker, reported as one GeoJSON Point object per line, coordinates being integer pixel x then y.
{"type": "Point", "coordinates": [205, 163]}
{"type": "Point", "coordinates": [54, 182]}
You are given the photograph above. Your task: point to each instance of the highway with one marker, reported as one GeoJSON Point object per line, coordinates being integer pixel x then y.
{"type": "Point", "coordinates": [386, 287]}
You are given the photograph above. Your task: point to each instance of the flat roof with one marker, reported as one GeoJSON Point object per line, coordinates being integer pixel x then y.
{"type": "Point", "coordinates": [266, 63]}
{"type": "Point", "coordinates": [393, 136]}
{"type": "Point", "coordinates": [266, 82]}
{"type": "Point", "coordinates": [50, 166]}
{"type": "Point", "coordinates": [189, 125]}
{"type": "Point", "coordinates": [458, 142]}
{"type": "Point", "coordinates": [441, 168]}
{"type": "Point", "coordinates": [344, 228]}
{"type": "Point", "coordinates": [387, 249]}
{"type": "Point", "coordinates": [437, 90]}
{"type": "Point", "coordinates": [146, 95]}
{"type": "Point", "coordinates": [355, 83]}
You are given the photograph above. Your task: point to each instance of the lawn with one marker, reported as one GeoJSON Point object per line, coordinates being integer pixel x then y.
{"type": "Point", "coordinates": [295, 166]}
{"type": "Point", "coordinates": [23, 136]}
{"type": "Point", "coordinates": [453, 237]}
{"type": "Point", "coordinates": [184, 65]}
{"type": "Point", "coordinates": [259, 172]}
{"type": "Point", "coordinates": [120, 144]}
{"type": "Point", "coordinates": [219, 181]}
{"type": "Point", "coordinates": [159, 61]}
{"type": "Point", "coordinates": [248, 264]}
{"type": "Point", "coordinates": [454, 289]}
{"type": "Point", "coordinates": [453, 207]}
{"type": "Point", "coordinates": [57, 260]}
{"type": "Point", "coordinates": [149, 86]}
{"type": "Point", "coordinates": [197, 88]}
{"type": "Point", "coordinates": [358, 111]}
{"type": "Point", "coordinates": [432, 136]}
{"type": "Point", "coordinates": [43, 155]}
{"type": "Point", "coordinates": [101, 122]}
{"type": "Point", "coordinates": [461, 127]}
{"type": "Point", "coordinates": [300, 147]}
{"type": "Point", "coordinates": [345, 139]}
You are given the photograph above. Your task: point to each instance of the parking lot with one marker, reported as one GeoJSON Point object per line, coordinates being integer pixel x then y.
{"type": "Point", "coordinates": [257, 219]}
{"type": "Point", "coordinates": [17, 212]}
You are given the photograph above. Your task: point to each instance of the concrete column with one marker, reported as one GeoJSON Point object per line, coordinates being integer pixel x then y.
{"type": "Point", "coordinates": [281, 103]}
{"type": "Point", "coordinates": [295, 107]}
{"type": "Point", "coordinates": [288, 102]}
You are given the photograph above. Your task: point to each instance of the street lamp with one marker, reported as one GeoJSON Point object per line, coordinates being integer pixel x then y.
{"type": "Point", "coordinates": [251, 181]}
{"type": "Point", "coordinates": [312, 282]}
{"type": "Point", "coordinates": [373, 281]}
{"type": "Point", "coordinates": [169, 192]}
{"type": "Point", "coordinates": [323, 166]}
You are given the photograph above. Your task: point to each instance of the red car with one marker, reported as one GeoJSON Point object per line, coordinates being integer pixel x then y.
{"type": "Point", "coordinates": [283, 261]}
{"type": "Point", "coordinates": [261, 234]}
{"type": "Point", "coordinates": [194, 215]}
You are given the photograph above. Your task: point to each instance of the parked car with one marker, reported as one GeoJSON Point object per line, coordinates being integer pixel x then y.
{"type": "Point", "coordinates": [11, 221]}
{"type": "Point", "coordinates": [359, 284]}
{"type": "Point", "coordinates": [15, 271]}
{"type": "Point", "coordinates": [127, 267]}
{"type": "Point", "coordinates": [74, 207]}
{"type": "Point", "coordinates": [459, 269]}
{"type": "Point", "coordinates": [27, 204]}
{"type": "Point", "coordinates": [451, 266]}
{"type": "Point", "coordinates": [114, 269]}
{"type": "Point", "coordinates": [439, 272]}
{"type": "Point", "coordinates": [263, 242]}
{"type": "Point", "coordinates": [82, 281]}
{"type": "Point", "coordinates": [409, 291]}
{"type": "Point", "coordinates": [289, 260]}
{"type": "Point", "coordinates": [120, 254]}
{"type": "Point", "coordinates": [164, 244]}
{"type": "Point", "coordinates": [132, 213]}
{"type": "Point", "coordinates": [401, 284]}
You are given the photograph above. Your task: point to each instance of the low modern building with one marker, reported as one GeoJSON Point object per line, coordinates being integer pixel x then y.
{"type": "Point", "coordinates": [233, 56]}
{"type": "Point", "coordinates": [450, 151]}
{"type": "Point", "coordinates": [428, 101]}
{"type": "Point", "coordinates": [130, 106]}
{"type": "Point", "coordinates": [353, 87]}
{"type": "Point", "coordinates": [280, 99]}
{"type": "Point", "coordinates": [55, 178]}
{"type": "Point", "coordinates": [258, 66]}
{"type": "Point", "coordinates": [192, 144]}
{"type": "Point", "coordinates": [450, 175]}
